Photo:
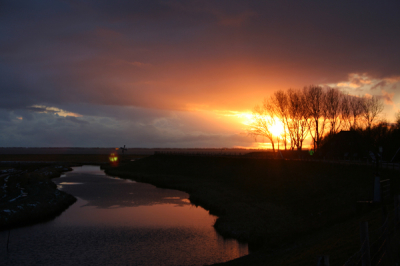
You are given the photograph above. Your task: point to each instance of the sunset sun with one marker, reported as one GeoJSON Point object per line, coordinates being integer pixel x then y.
{"type": "Point", "coordinates": [277, 129]}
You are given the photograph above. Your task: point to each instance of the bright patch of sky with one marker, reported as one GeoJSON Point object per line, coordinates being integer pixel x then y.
{"type": "Point", "coordinates": [364, 85]}
{"type": "Point", "coordinates": [52, 110]}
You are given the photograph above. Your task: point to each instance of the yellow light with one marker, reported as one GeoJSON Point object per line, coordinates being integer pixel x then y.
{"type": "Point", "coordinates": [277, 129]}
{"type": "Point", "coordinates": [247, 118]}
{"type": "Point", "coordinates": [113, 158]}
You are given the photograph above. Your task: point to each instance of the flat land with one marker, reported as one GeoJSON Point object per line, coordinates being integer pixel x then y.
{"type": "Point", "coordinates": [61, 158]}
{"type": "Point", "coordinates": [288, 211]}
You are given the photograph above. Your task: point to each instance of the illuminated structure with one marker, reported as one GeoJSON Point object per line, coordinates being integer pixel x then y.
{"type": "Point", "coordinates": [113, 158]}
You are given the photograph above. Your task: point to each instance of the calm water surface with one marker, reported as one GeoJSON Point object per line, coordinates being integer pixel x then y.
{"type": "Point", "coordinates": [120, 222]}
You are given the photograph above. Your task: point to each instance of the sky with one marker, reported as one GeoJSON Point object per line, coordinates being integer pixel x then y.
{"type": "Point", "coordinates": [181, 74]}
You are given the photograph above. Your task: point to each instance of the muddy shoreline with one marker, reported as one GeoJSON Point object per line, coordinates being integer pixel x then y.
{"type": "Point", "coordinates": [28, 196]}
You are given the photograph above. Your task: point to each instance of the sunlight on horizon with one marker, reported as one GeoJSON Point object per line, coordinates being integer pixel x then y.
{"type": "Point", "coordinates": [246, 118]}
{"type": "Point", "coordinates": [281, 146]}
{"type": "Point", "coordinates": [241, 122]}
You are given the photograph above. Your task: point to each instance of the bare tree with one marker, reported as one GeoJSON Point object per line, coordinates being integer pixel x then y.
{"type": "Point", "coordinates": [314, 97]}
{"type": "Point", "coordinates": [278, 104]}
{"type": "Point", "coordinates": [397, 119]}
{"type": "Point", "coordinates": [372, 107]}
{"type": "Point", "coordinates": [333, 109]}
{"type": "Point", "coordinates": [263, 120]}
{"type": "Point", "coordinates": [356, 107]}
{"type": "Point", "coordinates": [312, 110]}
{"type": "Point", "coordinates": [297, 123]}
{"type": "Point", "coordinates": [345, 111]}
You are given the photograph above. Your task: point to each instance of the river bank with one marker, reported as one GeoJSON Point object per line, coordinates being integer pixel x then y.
{"type": "Point", "coordinates": [28, 195]}
{"type": "Point", "coordinates": [281, 208]}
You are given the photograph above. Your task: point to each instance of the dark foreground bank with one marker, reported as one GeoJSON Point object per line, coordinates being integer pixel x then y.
{"type": "Point", "coordinates": [28, 195]}
{"type": "Point", "coordinates": [288, 211]}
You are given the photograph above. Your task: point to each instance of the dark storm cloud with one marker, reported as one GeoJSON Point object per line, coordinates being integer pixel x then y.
{"type": "Point", "coordinates": [38, 109]}
{"type": "Point", "coordinates": [54, 52]}
{"type": "Point", "coordinates": [4, 116]}
{"type": "Point", "coordinates": [47, 129]}
{"type": "Point", "coordinates": [139, 115]}
{"type": "Point", "coordinates": [139, 66]}
{"type": "Point", "coordinates": [75, 120]}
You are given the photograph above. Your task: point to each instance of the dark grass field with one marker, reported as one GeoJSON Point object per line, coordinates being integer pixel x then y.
{"type": "Point", "coordinates": [291, 211]}
{"type": "Point", "coordinates": [288, 211]}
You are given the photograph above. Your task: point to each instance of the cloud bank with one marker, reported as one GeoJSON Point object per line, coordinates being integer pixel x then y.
{"type": "Point", "coordinates": [156, 70]}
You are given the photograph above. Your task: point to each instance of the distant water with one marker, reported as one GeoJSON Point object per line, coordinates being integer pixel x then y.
{"type": "Point", "coordinates": [120, 222]}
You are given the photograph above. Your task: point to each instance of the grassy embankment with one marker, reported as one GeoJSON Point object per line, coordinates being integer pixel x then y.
{"type": "Point", "coordinates": [291, 211]}
{"type": "Point", "coordinates": [28, 195]}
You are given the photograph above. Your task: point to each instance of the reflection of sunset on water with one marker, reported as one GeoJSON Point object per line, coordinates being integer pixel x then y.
{"type": "Point", "coordinates": [158, 215]}
{"type": "Point", "coordinates": [144, 217]}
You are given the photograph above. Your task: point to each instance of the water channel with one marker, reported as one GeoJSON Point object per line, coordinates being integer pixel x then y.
{"type": "Point", "coordinates": [120, 222]}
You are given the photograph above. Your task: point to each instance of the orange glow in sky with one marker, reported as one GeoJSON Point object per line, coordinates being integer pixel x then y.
{"type": "Point", "coordinates": [181, 74]}
{"type": "Point", "coordinates": [246, 118]}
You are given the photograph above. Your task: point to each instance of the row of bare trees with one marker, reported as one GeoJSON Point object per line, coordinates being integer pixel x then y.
{"type": "Point", "coordinates": [313, 111]}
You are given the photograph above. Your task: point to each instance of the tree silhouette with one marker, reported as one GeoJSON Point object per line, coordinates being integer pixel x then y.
{"type": "Point", "coordinates": [372, 107]}
{"type": "Point", "coordinates": [263, 120]}
{"type": "Point", "coordinates": [278, 104]}
{"type": "Point", "coordinates": [333, 100]}
{"type": "Point", "coordinates": [356, 107]}
{"type": "Point", "coordinates": [345, 111]}
{"type": "Point", "coordinates": [316, 111]}
{"type": "Point", "coordinates": [297, 122]}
